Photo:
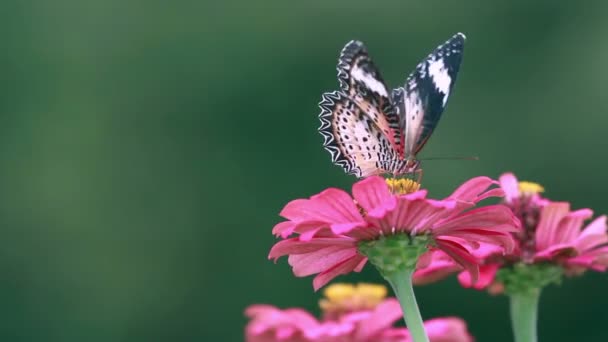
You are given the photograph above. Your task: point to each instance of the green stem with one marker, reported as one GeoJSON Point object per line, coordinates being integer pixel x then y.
{"type": "Point", "coordinates": [401, 282]}
{"type": "Point", "coordinates": [524, 314]}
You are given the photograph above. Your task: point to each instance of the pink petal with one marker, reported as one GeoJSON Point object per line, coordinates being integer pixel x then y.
{"type": "Point", "coordinates": [342, 228]}
{"type": "Point", "coordinates": [496, 192]}
{"type": "Point", "coordinates": [259, 309]}
{"type": "Point", "coordinates": [486, 250]}
{"type": "Point", "coordinates": [487, 273]}
{"type": "Point", "coordinates": [306, 229]}
{"type": "Point", "coordinates": [295, 246]}
{"type": "Point", "coordinates": [510, 185]}
{"type": "Point", "coordinates": [320, 260]}
{"type": "Point", "coordinates": [411, 214]}
{"type": "Point", "coordinates": [371, 193]}
{"type": "Point", "coordinates": [550, 216]}
{"type": "Point", "coordinates": [298, 210]}
{"type": "Point", "coordinates": [361, 264]}
{"type": "Point", "coordinates": [345, 267]}
{"type": "Point", "coordinates": [447, 329]}
{"type": "Point", "coordinates": [337, 206]}
{"type": "Point", "coordinates": [570, 226]}
{"type": "Point", "coordinates": [440, 267]}
{"type": "Point", "coordinates": [593, 235]}
{"type": "Point", "coordinates": [426, 259]}
{"type": "Point", "coordinates": [596, 259]}
{"type": "Point", "coordinates": [277, 323]}
{"type": "Point", "coordinates": [490, 236]}
{"type": "Point", "coordinates": [365, 233]}
{"type": "Point", "coordinates": [331, 205]}
{"type": "Point", "coordinates": [488, 216]}
{"type": "Point", "coordinates": [470, 190]}
{"type": "Point", "coordinates": [284, 229]}
{"type": "Point", "coordinates": [554, 251]}
{"type": "Point", "coordinates": [460, 254]}
{"type": "Point", "coordinates": [383, 317]}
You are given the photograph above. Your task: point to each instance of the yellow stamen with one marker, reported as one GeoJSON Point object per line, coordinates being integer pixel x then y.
{"type": "Point", "coordinates": [342, 298]}
{"type": "Point", "coordinates": [530, 188]}
{"type": "Point", "coordinates": [402, 186]}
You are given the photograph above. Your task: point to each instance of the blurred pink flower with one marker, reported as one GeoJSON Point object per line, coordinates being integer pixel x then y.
{"type": "Point", "coordinates": [331, 225]}
{"type": "Point", "coordinates": [560, 237]}
{"type": "Point", "coordinates": [269, 323]}
{"type": "Point", "coordinates": [551, 233]}
{"type": "Point", "coordinates": [368, 324]}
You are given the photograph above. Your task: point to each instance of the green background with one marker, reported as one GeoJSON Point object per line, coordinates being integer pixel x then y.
{"type": "Point", "coordinates": [146, 148]}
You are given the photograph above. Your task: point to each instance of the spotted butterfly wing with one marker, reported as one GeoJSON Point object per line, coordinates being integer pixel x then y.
{"type": "Point", "coordinates": [421, 101]}
{"type": "Point", "coordinates": [369, 132]}
{"type": "Point", "coordinates": [361, 81]}
{"type": "Point", "coordinates": [359, 124]}
{"type": "Point", "coordinates": [352, 138]}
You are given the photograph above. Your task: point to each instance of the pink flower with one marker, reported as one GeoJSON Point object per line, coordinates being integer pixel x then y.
{"type": "Point", "coordinates": [551, 233]}
{"type": "Point", "coordinates": [367, 324]}
{"type": "Point", "coordinates": [441, 266]}
{"type": "Point", "coordinates": [449, 329]}
{"type": "Point", "coordinates": [331, 226]}
{"type": "Point", "coordinates": [269, 324]}
{"type": "Point", "coordinates": [561, 238]}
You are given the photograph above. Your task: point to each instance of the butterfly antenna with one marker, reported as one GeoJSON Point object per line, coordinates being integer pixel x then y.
{"type": "Point", "coordinates": [451, 158]}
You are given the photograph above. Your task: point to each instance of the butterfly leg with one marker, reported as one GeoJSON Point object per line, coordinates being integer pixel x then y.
{"type": "Point", "coordinates": [418, 175]}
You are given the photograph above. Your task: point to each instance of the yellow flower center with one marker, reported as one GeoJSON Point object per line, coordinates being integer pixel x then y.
{"type": "Point", "coordinates": [402, 186]}
{"type": "Point", "coordinates": [530, 188]}
{"type": "Point", "coordinates": [342, 298]}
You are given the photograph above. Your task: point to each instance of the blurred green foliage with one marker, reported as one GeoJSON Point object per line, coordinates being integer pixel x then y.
{"type": "Point", "coordinates": [146, 148]}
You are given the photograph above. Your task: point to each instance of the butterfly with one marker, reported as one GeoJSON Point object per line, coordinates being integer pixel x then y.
{"type": "Point", "coordinates": [369, 131]}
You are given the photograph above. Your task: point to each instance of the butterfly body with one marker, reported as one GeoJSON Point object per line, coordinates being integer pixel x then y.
{"type": "Point", "coordinates": [369, 130]}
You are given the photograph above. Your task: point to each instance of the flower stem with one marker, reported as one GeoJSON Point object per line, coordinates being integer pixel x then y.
{"type": "Point", "coordinates": [524, 314]}
{"type": "Point", "coordinates": [401, 283]}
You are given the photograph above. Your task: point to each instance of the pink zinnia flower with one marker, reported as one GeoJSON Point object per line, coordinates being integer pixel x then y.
{"type": "Point", "coordinates": [551, 234]}
{"type": "Point", "coordinates": [332, 227]}
{"type": "Point", "coordinates": [269, 324]}
{"type": "Point", "coordinates": [356, 314]}
{"type": "Point", "coordinates": [445, 329]}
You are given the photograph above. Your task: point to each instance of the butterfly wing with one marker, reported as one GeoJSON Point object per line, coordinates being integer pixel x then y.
{"type": "Point", "coordinates": [423, 98]}
{"type": "Point", "coordinates": [361, 81]}
{"type": "Point", "coordinates": [352, 138]}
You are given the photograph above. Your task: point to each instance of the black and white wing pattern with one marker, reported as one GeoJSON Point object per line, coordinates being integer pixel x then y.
{"type": "Point", "coordinates": [421, 101]}
{"type": "Point", "coordinates": [359, 124]}
{"type": "Point", "coordinates": [361, 81]}
{"type": "Point", "coordinates": [368, 131]}
{"type": "Point", "coordinates": [352, 138]}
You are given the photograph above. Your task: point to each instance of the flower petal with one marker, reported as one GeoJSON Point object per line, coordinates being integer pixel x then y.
{"type": "Point", "coordinates": [487, 273]}
{"type": "Point", "coordinates": [470, 190]}
{"type": "Point", "coordinates": [570, 226]}
{"type": "Point", "coordinates": [488, 216]}
{"type": "Point", "coordinates": [460, 254]}
{"type": "Point", "coordinates": [320, 260]}
{"type": "Point", "coordinates": [371, 193]}
{"type": "Point", "coordinates": [510, 185]}
{"type": "Point", "coordinates": [295, 246]}
{"type": "Point", "coordinates": [491, 235]}
{"type": "Point", "coordinates": [345, 267]}
{"type": "Point", "coordinates": [383, 317]}
{"type": "Point", "coordinates": [331, 205]}
{"type": "Point", "coordinates": [447, 329]}
{"type": "Point", "coordinates": [593, 235]}
{"type": "Point", "coordinates": [439, 267]}
{"type": "Point", "coordinates": [335, 205]}
{"type": "Point", "coordinates": [550, 217]}
{"type": "Point", "coordinates": [284, 229]}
